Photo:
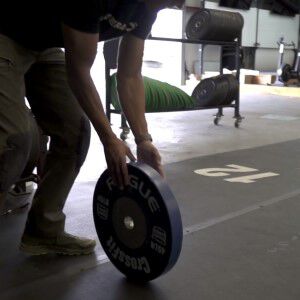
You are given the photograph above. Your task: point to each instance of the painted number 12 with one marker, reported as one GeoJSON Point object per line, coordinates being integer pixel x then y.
{"type": "Point", "coordinates": [224, 172]}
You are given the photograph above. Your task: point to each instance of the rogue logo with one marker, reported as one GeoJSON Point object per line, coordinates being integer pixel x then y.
{"type": "Point", "coordinates": [144, 191]}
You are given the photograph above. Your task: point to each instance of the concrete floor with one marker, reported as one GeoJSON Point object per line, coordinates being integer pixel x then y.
{"type": "Point", "coordinates": [269, 119]}
{"type": "Point", "coordinates": [241, 240]}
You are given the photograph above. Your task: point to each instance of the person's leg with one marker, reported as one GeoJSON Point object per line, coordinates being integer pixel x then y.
{"type": "Point", "coordinates": [2, 201]}
{"type": "Point", "coordinates": [60, 116]}
{"type": "Point", "coordinates": [15, 135]}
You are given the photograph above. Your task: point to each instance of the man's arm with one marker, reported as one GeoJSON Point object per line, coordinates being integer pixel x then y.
{"type": "Point", "coordinates": [130, 84]}
{"type": "Point", "coordinates": [132, 97]}
{"type": "Point", "coordinates": [80, 51]}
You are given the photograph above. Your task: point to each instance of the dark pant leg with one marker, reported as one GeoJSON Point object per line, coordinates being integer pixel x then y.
{"type": "Point", "coordinates": [60, 116]}
{"type": "Point", "coordinates": [15, 135]}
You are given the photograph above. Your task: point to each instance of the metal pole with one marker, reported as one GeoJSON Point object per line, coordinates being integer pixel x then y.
{"type": "Point", "coordinates": [238, 66]}
{"type": "Point", "coordinates": [108, 93]}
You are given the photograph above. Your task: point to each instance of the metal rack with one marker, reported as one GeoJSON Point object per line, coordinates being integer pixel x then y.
{"type": "Point", "coordinates": [236, 45]}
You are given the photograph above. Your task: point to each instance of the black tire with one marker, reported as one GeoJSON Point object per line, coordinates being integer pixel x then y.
{"type": "Point", "coordinates": [286, 71]}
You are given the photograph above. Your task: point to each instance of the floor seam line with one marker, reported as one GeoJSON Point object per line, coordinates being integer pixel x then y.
{"type": "Point", "coordinates": [212, 222]}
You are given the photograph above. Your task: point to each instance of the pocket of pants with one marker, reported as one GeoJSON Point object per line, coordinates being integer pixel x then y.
{"type": "Point", "coordinates": [5, 62]}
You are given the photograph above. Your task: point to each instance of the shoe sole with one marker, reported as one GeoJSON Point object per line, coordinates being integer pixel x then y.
{"type": "Point", "coordinates": [43, 250]}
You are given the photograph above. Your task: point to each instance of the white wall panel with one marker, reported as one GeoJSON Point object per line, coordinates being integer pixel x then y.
{"type": "Point", "coordinates": [271, 27]}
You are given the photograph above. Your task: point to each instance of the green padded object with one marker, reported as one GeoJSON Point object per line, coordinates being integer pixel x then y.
{"type": "Point", "coordinates": [160, 96]}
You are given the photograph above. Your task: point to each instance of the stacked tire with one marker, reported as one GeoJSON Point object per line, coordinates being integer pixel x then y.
{"type": "Point", "coordinates": [214, 25]}
{"type": "Point", "coordinates": [216, 91]}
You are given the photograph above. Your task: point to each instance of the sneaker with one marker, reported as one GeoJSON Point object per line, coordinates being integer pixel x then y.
{"type": "Point", "coordinates": [65, 244]}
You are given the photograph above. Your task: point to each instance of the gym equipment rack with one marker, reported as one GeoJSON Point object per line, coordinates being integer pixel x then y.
{"type": "Point", "coordinates": [236, 45]}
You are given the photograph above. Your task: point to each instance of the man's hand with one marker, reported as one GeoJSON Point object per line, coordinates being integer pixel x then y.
{"type": "Point", "coordinates": [147, 153]}
{"type": "Point", "coordinates": [115, 153]}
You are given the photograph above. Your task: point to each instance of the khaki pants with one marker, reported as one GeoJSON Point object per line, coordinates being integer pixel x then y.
{"type": "Point", "coordinates": [41, 77]}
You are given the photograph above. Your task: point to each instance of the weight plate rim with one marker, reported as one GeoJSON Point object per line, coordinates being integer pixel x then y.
{"type": "Point", "coordinates": [171, 207]}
